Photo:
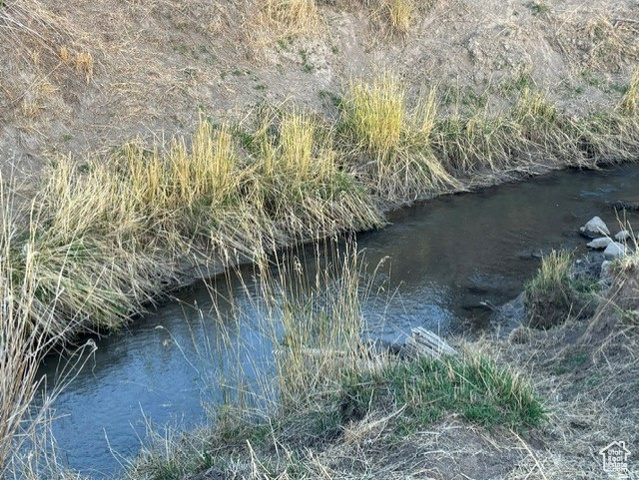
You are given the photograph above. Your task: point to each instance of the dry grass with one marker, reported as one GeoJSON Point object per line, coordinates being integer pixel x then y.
{"type": "Point", "coordinates": [400, 14]}
{"type": "Point", "coordinates": [600, 40]}
{"type": "Point", "coordinates": [117, 229]}
{"type": "Point", "coordinates": [280, 19]}
{"type": "Point", "coordinates": [549, 297]}
{"type": "Point", "coordinates": [115, 233]}
{"type": "Point", "coordinates": [406, 153]}
{"type": "Point", "coordinates": [376, 115]}
{"type": "Point", "coordinates": [630, 102]}
{"type": "Point", "coordinates": [322, 325]}
{"type": "Point", "coordinates": [612, 43]}
{"type": "Point", "coordinates": [29, 26]}
{"type": "Point", "coordinates": [23, 345]}
{"type": "Point", "coordinates": [111, 231]}
{"type": "Point", "coordinates": [377, 121]}
{"type": "Point", "coordinates": [588, 371]}
{"type": "Point", "coordinates": [105, 238]}
{"type": "Point", "coordinates": [332, 398]}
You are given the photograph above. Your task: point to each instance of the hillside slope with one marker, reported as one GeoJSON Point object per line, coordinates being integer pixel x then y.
{"type": "Point", "coordinates": [79, 76]}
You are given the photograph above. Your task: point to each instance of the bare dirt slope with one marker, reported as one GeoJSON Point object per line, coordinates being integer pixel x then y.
{"type": "Point", "coordinates": [78, 76]}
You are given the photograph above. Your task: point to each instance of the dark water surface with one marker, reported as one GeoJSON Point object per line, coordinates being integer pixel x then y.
{"type": "Point", "coordinates": [445, 256]}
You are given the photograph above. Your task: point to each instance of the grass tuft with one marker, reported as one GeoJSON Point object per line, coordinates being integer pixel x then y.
{"type": "Point", "coordinates": [426, 388]}
{"type": "Point", "coordinates": [557, 292]}
{"type": "Point", "coordinates": [549, 297]}
{"type": "Point", "coordinates": [400, 14]}
{"type": "Point", "coordinates": [630, 102]}
{"type": "Point", "coordinates": [393, 142]}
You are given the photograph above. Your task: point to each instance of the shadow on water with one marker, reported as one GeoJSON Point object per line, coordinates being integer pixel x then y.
{"type": "Point", "coordinates": [444, 257]}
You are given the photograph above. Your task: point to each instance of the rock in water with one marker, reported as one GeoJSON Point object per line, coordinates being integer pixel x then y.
{"type": "Point", "coordinates": [614, 250]}
{"type": "Point", "coordinates": [623, 236]}
{"type": "Point", "coordinates": [599, 243]}
{"type": "Point", "coordinates": [594, 228]}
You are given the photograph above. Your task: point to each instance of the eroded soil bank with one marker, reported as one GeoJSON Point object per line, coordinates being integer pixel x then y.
{"type": "Point", "coordinates": [76, 78]}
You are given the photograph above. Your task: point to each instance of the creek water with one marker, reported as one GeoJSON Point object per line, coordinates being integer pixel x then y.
{"type": "Point", "coordinates": [445, 256]}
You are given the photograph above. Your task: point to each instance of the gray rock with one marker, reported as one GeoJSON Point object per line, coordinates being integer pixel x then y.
{"type": "Point", "coordinates": [614, 250]}
{"type": "Point", "coordinates": [599, 243]}
{"type": "Point", "coordinates": [623, 236]}
{"type": "Point", "coordinates": [595, 227]}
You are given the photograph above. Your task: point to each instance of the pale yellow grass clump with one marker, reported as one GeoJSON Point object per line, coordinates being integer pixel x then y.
{"type": "Point", "coordinates": [400, 14]}
{"type": "Point", "coordinates": [376, 114]}
{"type": "Point", "coordinates": [84, 64]}
{"type": "Point", "coordinates": [630, 102]}
{"type": "Point", "coordinates": [297, 179]}
{"type": "Point", "coordinates": [279, 19]}
{"type": "Point", "coordinates": [380, 125]}
{"type": "Point", "coordinates": [297, 153]}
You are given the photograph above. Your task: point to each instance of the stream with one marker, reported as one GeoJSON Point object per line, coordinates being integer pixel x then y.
{"type": "Point", "coordinates": [445, 256]}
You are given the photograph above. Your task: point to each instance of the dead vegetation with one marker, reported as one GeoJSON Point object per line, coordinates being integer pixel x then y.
{"type": "Point", "coordinates": [338, 410]}
{"type": "Point", "coordinates": [76, 79]}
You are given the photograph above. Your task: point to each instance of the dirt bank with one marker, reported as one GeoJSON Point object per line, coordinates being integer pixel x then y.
{"type": "Point", "coordinates": [79, 78]}
{"type": "Point", "coordinates": [309, 120]}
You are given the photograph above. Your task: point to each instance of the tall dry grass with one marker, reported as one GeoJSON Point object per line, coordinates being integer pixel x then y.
{"type": "Point", "coordinates": [630, 102]}
{"type": "Point", "coordinates": [394, 142]}
{"type": "Point", "coordinates": [403, 153]}
{"type": "Point", "coordinates": [399, 14]}
{"type": "Point", "coordinates": [111, 235]}
{"type": "Point", "coordinates": [318, 312]}
{"type": "Point", "coordinates": [29, 330]}
{"type": "Point", "coordinates": [323, 385]}
{"type": "Point", "coordinates": [115, 233]}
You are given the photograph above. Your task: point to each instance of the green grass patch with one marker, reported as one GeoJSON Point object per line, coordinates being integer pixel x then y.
{"type": "Point", "coordinates": [549, 297]}
{"type": "Point", "coordinates": [473, 387]}
{"type": "Point", "coordinates": [538, 8]}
